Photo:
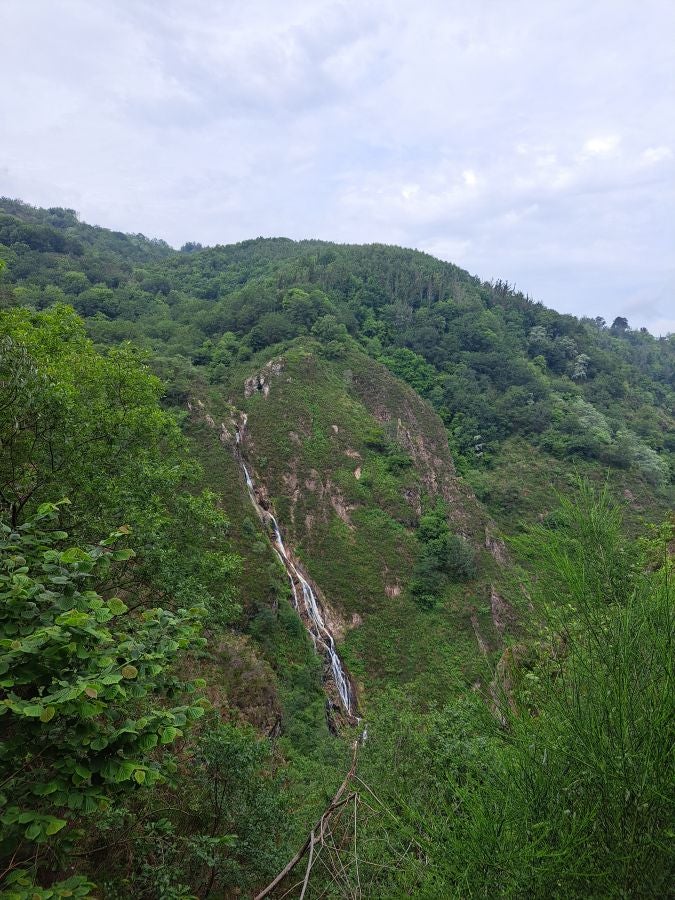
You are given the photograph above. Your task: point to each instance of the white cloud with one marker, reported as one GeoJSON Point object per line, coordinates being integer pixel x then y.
{"type": "Point", "coordinates": [602, 146]}
{"type": "Point", "coordinates": [653, 155]}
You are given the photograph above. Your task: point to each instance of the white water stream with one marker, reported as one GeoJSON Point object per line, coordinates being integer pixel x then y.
{"type": "Point", "coordinates": [314, 621]}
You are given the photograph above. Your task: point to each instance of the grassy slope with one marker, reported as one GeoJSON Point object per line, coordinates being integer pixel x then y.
{"type": "Point", "coordinates": [523, 482]}
{"type": "Point", "coordinates": [272, 627]}
{"type": "Point", "coordinates": [323, 422]}
{"type": "Point", "coordinates": [268, 673]}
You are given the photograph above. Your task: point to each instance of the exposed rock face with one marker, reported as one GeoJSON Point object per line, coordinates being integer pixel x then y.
{"type": "Point", "coordinates": [425, 455]}
{"type": "Point", "coordinates": [293, 489]}
{"type": "Point", "coordinates": [322, 622]}
{"type": "Point", "coordinates": [226, 430]}
{"type": "Point", "coordinates": [503, 616]}
{"type": "Point", "coordinates": [414, 500]}
{"type": "Point", "coordinates": [496, 547]}
{"type": "Point", "coordinates": [421, 433]}
{"type": "Point", "coordinates": [261, 381]}
{"type": "Point", "coordinates": [324, 489]}
{"type": "Point", "coordinates": [341, 508]}
{"type": "Point", "coordinates": [322, 480]}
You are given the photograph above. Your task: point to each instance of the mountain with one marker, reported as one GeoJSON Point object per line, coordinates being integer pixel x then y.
{"type": "Point", "coordinates": [351, 468]}
{"type": "Point", "coordinates": [495, 364]}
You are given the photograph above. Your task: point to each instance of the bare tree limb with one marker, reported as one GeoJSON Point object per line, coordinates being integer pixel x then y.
{"type": "Point", "coordinates": [335, 802]}
{"type": "Point", "coordinates": [309, 866]}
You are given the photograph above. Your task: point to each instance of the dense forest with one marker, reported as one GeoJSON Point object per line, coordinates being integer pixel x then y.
{"type": "Point", "coordinates": [476, 488]}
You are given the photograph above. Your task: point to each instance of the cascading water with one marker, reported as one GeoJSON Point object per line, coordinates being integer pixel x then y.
{"type": "Point", "coordinates": [316, 626]}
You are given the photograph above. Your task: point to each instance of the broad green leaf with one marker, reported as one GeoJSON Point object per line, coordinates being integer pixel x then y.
{"type": "Point", "coordinates": [73, 555]}
{"type": "Point", "coordinates": [117, 607]}
{"type": "Point", "coordinates": [55, 825]}
{"type": "Point", "coordinates": [169, 734]}
{"type": "Point", "coordinates": [33, 831]}
{"type": "Point", "coordinates": [122, 555]}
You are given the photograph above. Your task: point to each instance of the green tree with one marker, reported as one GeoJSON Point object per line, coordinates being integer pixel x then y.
{"type": "Point", "coordinates": [77, 423]}
{"type": "Point", "coordinates": [304, 307]}
{"type": "Point", "coordinates": [332, 334]}
{"type": "Point", "coordinates": [85, 680]}
{"type": "Point", "coordinates": [443, 556]}
{"type": "Point", "coordinates": [70, 419]}
{"type": "Point", "coordinates": [271, 328]}
{"type": "Point", "coordinates": [75, 282]}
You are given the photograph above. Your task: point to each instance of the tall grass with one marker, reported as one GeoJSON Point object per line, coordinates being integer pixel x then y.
{"type": "Point", "coordinates": [573, 797]}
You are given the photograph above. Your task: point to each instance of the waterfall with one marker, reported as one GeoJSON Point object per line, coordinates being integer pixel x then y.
{"type": "Point", "coordinates": [314, 621]}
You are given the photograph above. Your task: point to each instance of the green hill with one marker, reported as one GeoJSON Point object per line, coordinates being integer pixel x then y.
{"type": "Point", "coordinates": [411, 430]}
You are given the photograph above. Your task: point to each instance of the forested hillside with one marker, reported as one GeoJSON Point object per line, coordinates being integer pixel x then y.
{"type": "Point", "coordinates": [473, 490]}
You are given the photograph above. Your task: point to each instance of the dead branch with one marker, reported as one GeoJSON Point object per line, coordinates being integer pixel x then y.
{"type": "Point", "coordinates": [332, 806]}
{"type": "Point", "coordinates": [309, 866]}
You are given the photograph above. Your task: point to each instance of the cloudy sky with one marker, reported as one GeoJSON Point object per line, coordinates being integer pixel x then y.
{"type": "Point", "coordinates": [531, 140]}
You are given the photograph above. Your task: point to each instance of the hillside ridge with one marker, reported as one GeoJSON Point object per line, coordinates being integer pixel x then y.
{"type": "Point", "coordinates": [253, 494]}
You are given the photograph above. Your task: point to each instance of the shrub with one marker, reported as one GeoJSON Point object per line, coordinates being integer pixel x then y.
{"type": "Point", "coordinates": [443, 556]}
{"type": "Point", "coordinates": [85, 681]}
{"type": "Point", "coordinates": [460, 558]}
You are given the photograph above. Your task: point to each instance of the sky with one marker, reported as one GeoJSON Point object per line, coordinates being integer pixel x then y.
{"type": "Point", "coordinates": [527, 140]}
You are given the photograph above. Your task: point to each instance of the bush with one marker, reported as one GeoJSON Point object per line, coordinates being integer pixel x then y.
{"type": "Point", "coordinates": [225, 836]}
{"type": "Point", "coordinates": [460, 558]}
{"type": "Point", "coordinates": [443, 556]}
{"type": "Point", "coordinates": [569, 793]}
{"type": "Point", "coordinates": [85, 681]}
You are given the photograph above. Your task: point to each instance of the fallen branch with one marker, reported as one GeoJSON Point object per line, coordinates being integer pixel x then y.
{"type": "Point", "coordinates": [309, 866]}
{"type": "Point", "coordinates": [332, 806]}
